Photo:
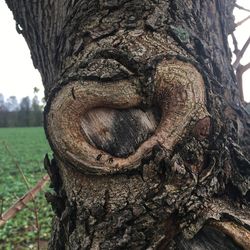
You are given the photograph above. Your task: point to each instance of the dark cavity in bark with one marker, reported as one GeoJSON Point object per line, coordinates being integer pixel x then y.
{"type": "Point", "coordinates": [119, 132]}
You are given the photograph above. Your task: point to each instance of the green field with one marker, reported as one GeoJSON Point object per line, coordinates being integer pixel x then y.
{"type": "Point", "coordinates": [25, 147]}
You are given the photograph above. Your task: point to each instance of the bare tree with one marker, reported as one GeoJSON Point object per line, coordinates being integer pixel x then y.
{"type": "Point", "coordinates": [145, 119]}
{"type": "Point", "coordinates": [240, 69]}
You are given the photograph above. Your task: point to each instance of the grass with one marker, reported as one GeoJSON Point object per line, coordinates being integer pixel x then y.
{"type": "Point", "coordinates": [26, 146]}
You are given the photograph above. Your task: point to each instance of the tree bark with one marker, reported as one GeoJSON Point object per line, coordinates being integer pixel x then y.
{"type": "Point", "coordinates": [151, 142]}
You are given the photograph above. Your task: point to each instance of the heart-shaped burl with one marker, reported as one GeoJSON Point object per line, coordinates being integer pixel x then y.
{"type": "Point", "coordinates": [99, 128]}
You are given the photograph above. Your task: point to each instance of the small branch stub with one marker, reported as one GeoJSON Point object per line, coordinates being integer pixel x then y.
{"type": "Point", "coordinates": [202, 128]}
{"type": "Point", "coordinates": [179, 94]}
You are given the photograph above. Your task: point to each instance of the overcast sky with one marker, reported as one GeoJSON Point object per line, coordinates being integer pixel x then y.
{"type": "Point", "coordinates": [18, 76]}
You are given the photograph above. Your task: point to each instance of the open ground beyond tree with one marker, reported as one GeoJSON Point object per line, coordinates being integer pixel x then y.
{"type": "Point", "coordinates": [20, 232]}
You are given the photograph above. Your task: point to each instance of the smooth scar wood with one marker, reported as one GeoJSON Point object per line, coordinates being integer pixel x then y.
{"type": "Point", "coordinates": [179, 93]}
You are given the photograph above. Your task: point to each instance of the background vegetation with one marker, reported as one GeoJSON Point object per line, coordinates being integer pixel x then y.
{"type": "Point", "coordinates": [27, 113]}
{"type": "Point", "coordinates": [23, 148]}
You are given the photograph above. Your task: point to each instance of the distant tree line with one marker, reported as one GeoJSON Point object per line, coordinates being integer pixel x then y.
{"type": "Point", "coordinates": [27, 113]}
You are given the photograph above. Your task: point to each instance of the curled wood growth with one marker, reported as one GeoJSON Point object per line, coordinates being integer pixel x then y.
{"type": "Point", "coordinates": [179, 93]}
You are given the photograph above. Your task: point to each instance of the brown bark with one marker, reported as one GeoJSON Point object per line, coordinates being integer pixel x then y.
{"type": "Point", "coordinates": [143, 115]}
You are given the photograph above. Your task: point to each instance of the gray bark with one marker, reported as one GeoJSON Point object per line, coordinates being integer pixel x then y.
{"type": "Point", "coordinates": [174, 169]}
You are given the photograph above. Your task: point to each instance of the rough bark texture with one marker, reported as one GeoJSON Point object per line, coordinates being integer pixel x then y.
{"type": "Point", "coordinates": [143, 113]}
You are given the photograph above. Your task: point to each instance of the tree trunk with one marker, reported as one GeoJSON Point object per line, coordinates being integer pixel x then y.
{"type": "Point", "coordinates": [151, 143]}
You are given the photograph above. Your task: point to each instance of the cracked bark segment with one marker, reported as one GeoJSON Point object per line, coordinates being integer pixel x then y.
{"type": "Point", "coordinates": [179, 93]}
